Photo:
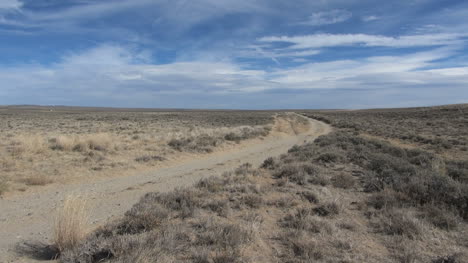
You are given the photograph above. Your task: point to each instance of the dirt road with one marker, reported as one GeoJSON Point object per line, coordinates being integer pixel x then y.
{"type": "Point", "coordinates": [30, 216]}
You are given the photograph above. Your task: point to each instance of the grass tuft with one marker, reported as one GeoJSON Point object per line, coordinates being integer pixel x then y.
{"type": "Point", "coordinates": [71, 224]}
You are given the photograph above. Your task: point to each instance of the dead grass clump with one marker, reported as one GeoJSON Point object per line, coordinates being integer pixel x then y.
{"type": "Point", "coordinates": [458, 170]}
{"type": "Point", "coordinates": [269, 163]}
{"type": "Point", "coordinates": [143, 217]}
{"type": "Point", "coordinates": [149, 158]}
{"type": "Point", "coordinates": [34, 144]}
{"type": "Point", "coordinates": [284, 202]}
{"type": "Point", "coordinates": [303, 248]}
{"type": "Point", "coordinates": [398, 222]}
{"type": "Point", "coordinates": [343, 180]}
{"type": "Point", "coordinates": [245, 169]}
{"type": "Point", "coordinates": [299, 173]}
{"type": "Point", "coordinates": [327, 209]}
{"type": "Point", "coordinates": [71, 224]}
{"type": "Point", "coordinates": [183, 201]}
{"type": "Point", "coordinates": [330, 157]}
{"type": "Point", "coordinates": [223, 235]}
{"type": "Point", "coordinates": [309, 196]}
{"type": "Point", "coordinates": [320, 179]}
{"type": "Point", "coordinates": [252, 200]}
{"type": "Point", "coordinates": [220, 207]}
{"type": "Point", "coordinates": [62, 143]}
{"type": "Point", "coordinates": [454, 258]}
{"type": "Point", "coordinates": [203, 143]}
{"type": "Point", "coordinates": [441, 218]}
{"type": "Point", "coordinates": [3, 187]}
{"type": "Point", "coordinates": [386, 199]}
{"type": "Point", "coordinates": [97, 142]}
{"type": "Point", "coordinates": [404, 251]}
{"type": "Point", "coordinates": [305, 220]}
{"type": "Point", "coordinates": [37, 180]}
{"type": "Point", "coordinates": [212, 184]}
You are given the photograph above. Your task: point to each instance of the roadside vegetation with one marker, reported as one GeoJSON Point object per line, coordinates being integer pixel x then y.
{"type": "Point", "coordinates": [351, 196]}
{"type": "Point", "coordinates": [442, 129]}
{"type": "Point", "coordinates": [40, 147]}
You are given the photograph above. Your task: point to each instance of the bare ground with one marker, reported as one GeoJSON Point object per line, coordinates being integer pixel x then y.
{"type": "Point", "coordinates": [30, 216]}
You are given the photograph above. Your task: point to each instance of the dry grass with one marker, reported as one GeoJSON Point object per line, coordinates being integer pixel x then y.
{"type": "Point", "coordinates": [437, 129]}
{"type": "Point", "coordinates": [343, 198]}
{"type": "Point", "coordinates": [3, 187]}
{"type": "Point", "coordinates": [89, 142]}
{"type": "Point", "coordinates": [39, 147]}
{"type": "Point", "coordinates": [35, 144]}
{"type": "Point", "coordinates": [71, 224]}
{"type": "Point", "coordinates": [37, 180]}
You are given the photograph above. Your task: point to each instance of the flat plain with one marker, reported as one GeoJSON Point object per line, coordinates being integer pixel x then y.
{"type": "Point", "coordinates": [383, 185]}
{"type": "Point", "coordinates": [45, 145]}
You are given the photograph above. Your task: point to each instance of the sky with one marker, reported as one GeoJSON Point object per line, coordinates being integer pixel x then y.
{"type": "Point", "coordinates": [234, 54]}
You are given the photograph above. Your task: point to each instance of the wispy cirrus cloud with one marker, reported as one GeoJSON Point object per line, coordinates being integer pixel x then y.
{"type": "Point", "coordinates": [331, 40]}
{"type": "Point", "coordinates": [124, 76]}
{"type": "Point", "coordinates": [10, 4]}
{"type": "Point", "coordinates": [207, 53]}
{"type": "Point", "coordinates": [327, 18]}
{"type": "Point", "coordinates": [370, 18]}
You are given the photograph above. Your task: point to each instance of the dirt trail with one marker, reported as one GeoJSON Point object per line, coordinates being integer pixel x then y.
{"type": "Point", "coordinates": [30, 217]}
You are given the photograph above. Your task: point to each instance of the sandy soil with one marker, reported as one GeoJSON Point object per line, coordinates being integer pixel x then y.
{"type": "Point", "coordinates": [30, 217]}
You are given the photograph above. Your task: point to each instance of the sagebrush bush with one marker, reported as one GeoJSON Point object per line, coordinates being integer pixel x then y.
{"type": "Point", "coordinates": [398, 222]}
{"type": "Point", "coordinates": [305, 219]}
{"type": "Point", "coordinates": [418, 176]}
{"type": "Point", "coordinates": [441, 218]}
{"type": "Point", "coordinates": [344, 181]}
{"type": "Point", "coordinates": [327, 209]}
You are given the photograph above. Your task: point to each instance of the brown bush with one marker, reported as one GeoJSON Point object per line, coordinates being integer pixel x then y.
{"type": "Point", "coordinates": [344, 181]}
{"type": "Point", "coordinates": [398, 222]}
{"type": "Point", "coordinates": [37, 180]}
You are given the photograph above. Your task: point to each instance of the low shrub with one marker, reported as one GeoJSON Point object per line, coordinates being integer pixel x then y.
{"type": "Point", "coordinates": [149, 158]}
{"type": "Point", "coordinates": [304, 219]}
{"type": "Point", "coordinates": [343, 180]}
{"type": "Point", "coordinates": [327, 209]}
{"type": "Point", "coordinates": [398, 222]}
{"type": "Point", "coordinates": [441, 218]}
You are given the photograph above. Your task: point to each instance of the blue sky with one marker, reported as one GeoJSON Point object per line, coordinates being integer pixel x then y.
{"type": "Point", "coordinates": [256, 54]}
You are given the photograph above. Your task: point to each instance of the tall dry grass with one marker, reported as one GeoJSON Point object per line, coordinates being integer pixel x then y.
{"type": "Point", "coordinates": [34, 144]}
{"type": "Point", "coordinates": [95, 141]}
{"type": "Point", "coordinates": [71, 224]}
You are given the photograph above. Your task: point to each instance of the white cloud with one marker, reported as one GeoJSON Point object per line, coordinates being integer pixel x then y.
{"type": "Point", "coordinates": [105, 55]}
{"type": "Point", "coordinates": [115, 69]}
{"type": "Point", "coordinates": [370, 18]}
{"type": "Point", "coordinates": [10, 4]}
{"type": "Point", "coordinates": [257, 51]}
{"type": "Point", "coordinates": [110, 73]}
{"type": "Point", "coordinates": [180, 14]}
{"type": "Point", "coordinates": [327, 18]}
{"type": "Point", "coordinates": [337, 72]}
{"type": "Point", "coordinates": [330, 40]}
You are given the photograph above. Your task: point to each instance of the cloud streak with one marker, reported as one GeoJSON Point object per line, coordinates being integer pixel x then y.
{"type": "Point", "coordinates": [333, 40]}
{"type": "Point", "coordinates": [327, 18]}
{"type": "Point", "coordinates": [116, 72]}
{"type": "Point", "coordinates": [230, 53]}
{"type": "Point", "coordinates": [10, 4]}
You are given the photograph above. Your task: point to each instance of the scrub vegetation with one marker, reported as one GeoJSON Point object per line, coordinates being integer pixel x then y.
{"type": "Point", "coordinates": [362, 193]}
{"type": "Point", "coordinates": [45, 145]}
